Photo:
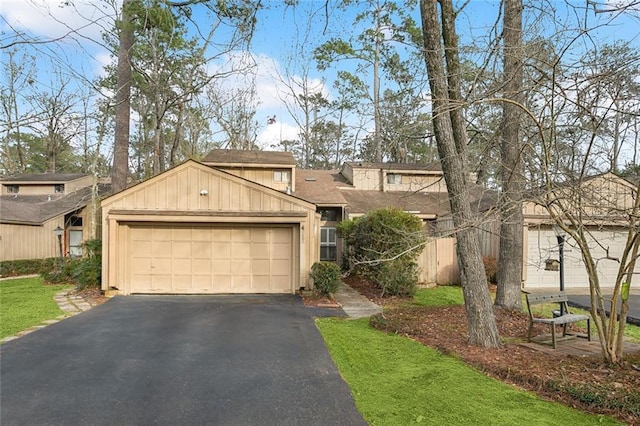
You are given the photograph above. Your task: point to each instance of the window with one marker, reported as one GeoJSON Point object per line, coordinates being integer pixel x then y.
{"type": "Point", "coordinates": [394, 178]}
{"type": "Point", "coordinates": [328, 245]}
{"type": "Point", "coordinates": [75, 243]}
{"type": "Point", "coordinates": [330, 215]}
{"type": "Point", "coordinates": [13, 189]}
{"type": "Point", "coordinates": [58, 188]}
{"type": "Point", "coordinates": [75, 221]}
{"type": "Point", "coordinates": [281, 176]}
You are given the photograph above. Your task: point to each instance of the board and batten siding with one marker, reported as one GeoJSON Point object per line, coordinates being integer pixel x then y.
{"type": "Point", "coordinates": [29, 242]}
{"type": "Point", "coordinates": [196, 193]}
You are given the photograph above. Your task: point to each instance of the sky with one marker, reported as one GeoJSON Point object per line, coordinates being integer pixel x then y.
{"type": "Point", "coordinates": [76, 29]}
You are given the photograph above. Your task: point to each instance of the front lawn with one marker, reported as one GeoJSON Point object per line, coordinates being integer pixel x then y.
{"type": "Point", "coordinates": [25, 302]}
{"type": "Point", "coordinates": [397, 381]}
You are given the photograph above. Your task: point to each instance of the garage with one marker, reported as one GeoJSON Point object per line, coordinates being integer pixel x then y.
{"type": "Point", "coordinates": [542, 244]}
{"type": "Point", "coordinates": [172, 259]}
{"type": "Point", "coordinates": [195, 229]}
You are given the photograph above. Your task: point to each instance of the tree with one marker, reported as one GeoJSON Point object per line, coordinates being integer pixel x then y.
{"type": "Point", "coordinates": [388, 27]}
{"type": "Point", "coordinates": [237, 16]}
{"type": "Point", "coordinates": [510, 204]}
{"type": "Point", "coordinates": [440, 42]}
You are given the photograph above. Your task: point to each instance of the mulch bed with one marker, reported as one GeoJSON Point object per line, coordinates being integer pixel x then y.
{"type": "Point", "coordinates": [582, 382]}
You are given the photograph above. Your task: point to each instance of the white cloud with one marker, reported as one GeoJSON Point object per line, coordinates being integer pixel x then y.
{"type": "Point", "coordinates": [52, 19]}
{"type": "Point", "coordinates": [269, 138]}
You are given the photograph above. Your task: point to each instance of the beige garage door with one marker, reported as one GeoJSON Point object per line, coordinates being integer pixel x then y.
{"type": "Point", "coordinates": [198, 259]}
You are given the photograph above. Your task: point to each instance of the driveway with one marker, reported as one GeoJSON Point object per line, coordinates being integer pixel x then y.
{"type": "Point", "coordinates": [176, 360]}
{"type": "Point", "coordinates": [633, 316]}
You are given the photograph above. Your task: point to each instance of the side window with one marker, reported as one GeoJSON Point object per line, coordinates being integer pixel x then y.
{"type": "Point", "coordinates": [394, 178]}
{"type": "Point", "coordinates": [328, 244]}
{"type": "Point", "coordinates": [281, 176]}
{"type": "Point", "coordinates": [58, 188]}
{"type": "Point", "coordinates": [13, 189]}
{"type": "Point", "coordinates": [75, 243]}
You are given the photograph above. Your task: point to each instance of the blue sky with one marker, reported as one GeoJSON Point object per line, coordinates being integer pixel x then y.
{"type": "Point", "coordinates": [79, 52]}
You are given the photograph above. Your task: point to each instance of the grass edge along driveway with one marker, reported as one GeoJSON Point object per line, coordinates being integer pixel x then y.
{"type": "Point", "coordinates": [397, 381]}
{"type": "Point", "coordinates": [26, 302]}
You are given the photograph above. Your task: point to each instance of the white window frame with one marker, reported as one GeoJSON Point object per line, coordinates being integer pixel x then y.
{"type": "Point", "coordinates": [328, 239]}
{"type": "Point", "coordinates": [282, 175]}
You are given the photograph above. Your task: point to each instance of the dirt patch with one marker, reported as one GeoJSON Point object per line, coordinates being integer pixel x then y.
{"type": "Point", "coordinates": [93, 296]}
{"type": "Point", "coordinates": [583, 382]}
{"type": "Point", "coordinates": [312, 299]}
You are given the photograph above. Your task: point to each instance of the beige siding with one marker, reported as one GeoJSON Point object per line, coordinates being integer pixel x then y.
{"type": "Point", "coordinates": [367, 179]}
{"type": "Point", "coordinates": [29, 242]}
{"type": "Point", "coordinates": [175, 199]}
{"type": "Point", "coordinates": [74, 185]}
{"type": "Point", "coordinates": [263, 176]}
{"type": "Point", "coordinates": [416, 183]}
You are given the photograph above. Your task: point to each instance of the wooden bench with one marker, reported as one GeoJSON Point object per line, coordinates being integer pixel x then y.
{"type": "Point", "coordinates": [568, 318]}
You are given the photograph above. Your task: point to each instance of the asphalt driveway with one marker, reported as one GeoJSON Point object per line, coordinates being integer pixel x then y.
{"type": "Point", "coordinates": [633, 316]}
{"type": "Point", "coordinates": [176, 360]}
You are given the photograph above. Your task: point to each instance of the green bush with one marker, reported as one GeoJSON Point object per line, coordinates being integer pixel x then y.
{"type": "Point", "coordinates": [82, 272]}
{"type": "Point", "coordinates": [15, 268]}
{"type": "Point", "coordinates": [399, 277]}
{"type": "Point", "coordinates": [326, 277]}
{"type": "Point", "coordinates": [383, 245]}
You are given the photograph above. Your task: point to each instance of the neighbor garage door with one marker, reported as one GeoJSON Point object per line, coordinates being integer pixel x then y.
{"type": "Point", "coordinates": [543, 245]}
{"type": "Point", "coordinates": [210, 259]}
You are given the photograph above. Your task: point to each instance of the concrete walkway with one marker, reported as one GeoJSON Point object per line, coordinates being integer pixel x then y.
{"type": "Point", "coordinates": [354, 304]}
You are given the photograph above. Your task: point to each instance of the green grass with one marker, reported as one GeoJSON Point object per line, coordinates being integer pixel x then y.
{"type": "Point", "coordinates": [25, 302]}
{"type": "Point", "coordinates": [396, 381]}
{"type": "Point", "coordinates": [439, 296]}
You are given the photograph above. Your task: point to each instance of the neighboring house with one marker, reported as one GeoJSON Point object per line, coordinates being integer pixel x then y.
{"type": "Point", "coordinates": [605, 202]}
{"type": "Point", "coordinates": [251, 222]}
{"type": "Point", "coordinates": [32, 206]}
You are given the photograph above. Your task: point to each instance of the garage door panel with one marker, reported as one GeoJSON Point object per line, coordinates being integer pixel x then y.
{"type": "Point", "coordinates": [201, 250]}
{"type": "Point", "coordinates": [181, 249]}
{"type": "Point", "coordinates": [261, 267]}
{"type": "Point", "coordinates": [217, 259]}
{"type": "Point", "coordinates": [260, 250]}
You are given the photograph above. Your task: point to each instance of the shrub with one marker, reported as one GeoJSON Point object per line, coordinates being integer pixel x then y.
{"type": "Point", "coordinates": [326, 277]}
{"type": "Point", "coordinates": [491, 269]}
{"type": "Point", "coordinates": [14, 268]}
{"type": "Point", "coordinates": [383, 245]}
{"type": "Point", "coordinates": [398, 277]}
{"type": "Point", "coordinates": [82, 272]}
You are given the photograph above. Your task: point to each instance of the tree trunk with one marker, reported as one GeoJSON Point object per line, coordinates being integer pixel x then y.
{"type": "Point", "coordinates": [511, 221]}
{"type": "Point", "coordinates": [446, 119]}
{"type": "Point", "coordinates": [120, 169]}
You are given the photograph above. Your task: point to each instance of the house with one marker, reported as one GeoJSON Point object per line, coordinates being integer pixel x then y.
{"type": "Point", "coordinates": [33, 206]}
{"type": "Point", "coordinates": [250, 221]}
{"type": "Point", "coordinates": [604, 203]}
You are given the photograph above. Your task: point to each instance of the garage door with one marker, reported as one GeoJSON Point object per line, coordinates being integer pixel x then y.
{"type": "Point", "coordinates": [196, 259]}
{"type": "Point", "coordinates": [543, 245]}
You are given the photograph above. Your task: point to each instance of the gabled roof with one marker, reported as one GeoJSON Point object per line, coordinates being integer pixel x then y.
{"type": "Point", "coordinates": [237, 157]}
{"type": "Point", "coordinates": [321, 186]}
{"type": "Point", "coordinates": [51, 178]}
{"type": "Point", "coordinates": [37, 209]}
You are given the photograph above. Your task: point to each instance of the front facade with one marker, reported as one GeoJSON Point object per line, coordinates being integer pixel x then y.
{"type": "Point", "coordinates": [251, 222]}
{"type": "Point", "coordinates": [34, 206]}
{"type": "Point", "coordinates": [196, 229]}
